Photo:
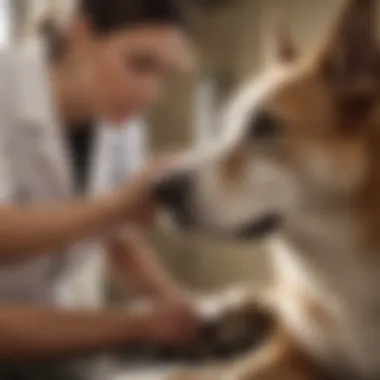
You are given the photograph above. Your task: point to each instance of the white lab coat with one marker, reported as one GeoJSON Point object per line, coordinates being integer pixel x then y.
{"type": "Point", "coordinates": [35, 166]}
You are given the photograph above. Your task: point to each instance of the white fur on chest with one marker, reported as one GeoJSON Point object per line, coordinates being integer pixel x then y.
{"type": "Point", "coordinates": [329, 271]}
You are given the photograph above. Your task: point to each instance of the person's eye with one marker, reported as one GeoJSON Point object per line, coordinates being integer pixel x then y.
{"type": "Point", "coordinates": [264, 126]}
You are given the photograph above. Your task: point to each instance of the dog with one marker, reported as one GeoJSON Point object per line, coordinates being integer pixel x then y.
{"type": "Point", "coordinates": [299, 165]}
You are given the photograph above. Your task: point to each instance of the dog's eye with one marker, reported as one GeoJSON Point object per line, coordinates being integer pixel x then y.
{"type": "Point", "coordinates": [264, 126]}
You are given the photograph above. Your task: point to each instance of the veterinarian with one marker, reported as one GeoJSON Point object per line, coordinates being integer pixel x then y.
{"type": "Point", "coordinates": [107, 63]}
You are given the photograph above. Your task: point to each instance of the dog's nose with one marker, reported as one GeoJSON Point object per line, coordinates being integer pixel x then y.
{"type": "Point", "coordinates": [172, 191]}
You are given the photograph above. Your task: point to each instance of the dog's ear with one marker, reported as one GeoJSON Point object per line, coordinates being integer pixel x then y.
{"type": "Point", "coordinates": [349, 60]}
{"type": "Point", "coordinates": [278, 46]}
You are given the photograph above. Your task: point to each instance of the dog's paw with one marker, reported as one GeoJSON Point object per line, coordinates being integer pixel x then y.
{"type": "Point", "coordinates": [237, 329]}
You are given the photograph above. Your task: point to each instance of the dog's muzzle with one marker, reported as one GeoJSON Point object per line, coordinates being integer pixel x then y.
{"type": "Point", "coordinates": [259, 228]}
{"type": "Point", "coordinates": [174, 194]}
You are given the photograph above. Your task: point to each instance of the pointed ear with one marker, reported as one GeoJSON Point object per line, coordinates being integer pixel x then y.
{"type": "Point", "coordinates": [349, 60]}
{"type": "Point", "coordinates": [277, 43]}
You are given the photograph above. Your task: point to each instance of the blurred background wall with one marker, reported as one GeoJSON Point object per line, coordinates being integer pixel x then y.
{"type": "Point", "coordinates": [227, 35]}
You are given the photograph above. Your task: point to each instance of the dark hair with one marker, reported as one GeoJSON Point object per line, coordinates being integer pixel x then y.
{"type": "Point", "coordinates": [107, 16]}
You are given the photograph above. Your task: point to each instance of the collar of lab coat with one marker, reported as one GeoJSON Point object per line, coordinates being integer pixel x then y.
{"type": "Point", "coordinates": [34, 99]}
{"type": "Point", "coordinates": [36, 115]}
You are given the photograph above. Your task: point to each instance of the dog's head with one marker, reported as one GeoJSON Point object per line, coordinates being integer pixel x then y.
{"type": "Point", "coordinates": [296, 136]}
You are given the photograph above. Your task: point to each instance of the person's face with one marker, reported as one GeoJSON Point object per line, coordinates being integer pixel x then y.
{"type": "Point", "coordinates": [122, 73]}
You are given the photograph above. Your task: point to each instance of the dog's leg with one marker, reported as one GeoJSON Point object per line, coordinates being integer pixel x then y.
{"type": "Point", "coordinates": [279, 359]}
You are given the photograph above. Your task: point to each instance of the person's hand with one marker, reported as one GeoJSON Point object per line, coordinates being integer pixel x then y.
{"type": "Point", "coordinates": [180, 299]}
{"type": "Point", "coordinates": [173, 325]}
{"type": "Point", "coordinates": [136, 199]}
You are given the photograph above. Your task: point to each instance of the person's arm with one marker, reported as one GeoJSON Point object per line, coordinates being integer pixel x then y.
{"type": "Point", "coordinates": [135, 266]}
{"type": "Point", "coordinates": [26, 231]}
{"type": "Point", "coordinates": [33, 333]}
{"type": "Point", "coordinates": [29, 333]}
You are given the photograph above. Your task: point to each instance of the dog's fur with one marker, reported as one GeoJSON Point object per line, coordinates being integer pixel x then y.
{"type": "Point", "coordinates": [303, 143]}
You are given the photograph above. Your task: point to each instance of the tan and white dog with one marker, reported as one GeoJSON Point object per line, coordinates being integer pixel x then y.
{"type": "Point", "coordinates": [300, 165]}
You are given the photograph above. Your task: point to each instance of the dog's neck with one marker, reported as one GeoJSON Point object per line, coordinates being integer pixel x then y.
{"type": "Point", "coordinates": [328, 248]}
{"type": "Point", "coordinates": [338, 239]}
{"type": "Point", "coordinates": [328, 285]}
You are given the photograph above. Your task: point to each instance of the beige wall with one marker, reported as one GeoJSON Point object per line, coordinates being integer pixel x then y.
{"type": "Point", "coordinates": [230, 41]}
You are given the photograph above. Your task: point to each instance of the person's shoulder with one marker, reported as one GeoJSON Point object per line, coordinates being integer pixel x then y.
{"type": "Point", "coordinates": [8, 58]}
{"type": "Point", "coordinates": [16, 53]}
{"type": "Point", "coordinates": [8, 78]}
{"type": "Point", "coordinates": [19, 61]}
